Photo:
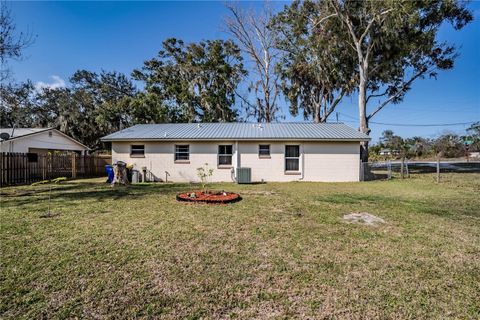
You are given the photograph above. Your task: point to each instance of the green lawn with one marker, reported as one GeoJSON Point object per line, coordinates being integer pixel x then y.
{"type": "Point", "coordinates": [281, 252]}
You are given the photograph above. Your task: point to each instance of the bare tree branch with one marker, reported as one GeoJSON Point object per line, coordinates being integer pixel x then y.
{"type": "Point", "coordinates": [257, 41]}
{"type": "Point", "coordinates": [402, 90]}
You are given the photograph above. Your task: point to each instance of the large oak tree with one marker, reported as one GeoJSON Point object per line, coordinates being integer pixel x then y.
{"type": "Point", "coordinates": [193, 82]}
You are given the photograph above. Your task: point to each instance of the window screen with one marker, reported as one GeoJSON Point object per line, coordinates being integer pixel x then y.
{"type": "Point", "coordinates": [292, 158]}
{"type": "Point", "coordinates": [182, 152]}
{"type": "Point", "coordinates": [225, 155]}
{"type": "Point", "coordinates": [264, 150]}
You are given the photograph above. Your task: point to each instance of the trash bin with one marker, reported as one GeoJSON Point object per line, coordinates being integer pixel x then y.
{"type": "Point", "coordinates": [135, 176]}
{"type": "Point", "coordinates": [109, 172]}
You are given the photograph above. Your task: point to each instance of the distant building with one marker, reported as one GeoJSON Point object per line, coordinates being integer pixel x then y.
{"type": "Point", "coordinates": [475, 154]}
{"type": "Point", "coordinates": [39, 140]}
{"type": "Point", "coordinates": [389, 152]}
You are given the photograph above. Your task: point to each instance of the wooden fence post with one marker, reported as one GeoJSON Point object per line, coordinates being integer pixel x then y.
{"type": "Point", "coordinates": [406, 169]}
{"type": "Point", "coordinates": [402, 168]}
{"type": "Point", "coordinates": [74, 166]}
{"type": "Point", "coordinates": [438, 169]}
{"type": "Point", "coordinates": [43, 165]}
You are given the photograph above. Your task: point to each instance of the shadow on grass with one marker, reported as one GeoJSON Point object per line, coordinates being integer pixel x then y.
{"type": "Point", "coordinates": [88, 191]}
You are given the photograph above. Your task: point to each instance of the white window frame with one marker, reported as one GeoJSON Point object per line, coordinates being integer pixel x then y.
{"type": "Point", "coordinates": [263, 156]}
{"type": "Point", "coordinates": [137, 155]}
{"type": "Point", "coordinates": [175, 152]}
{"type": "Point", "coordinates": [225, 155]}
{"type": "Point", "coordinates": [292, 158]}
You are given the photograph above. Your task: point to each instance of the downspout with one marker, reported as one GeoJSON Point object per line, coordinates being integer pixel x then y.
{"type": "Point", "coordinates": [302, 154]}
{"type": "Point", "coordinates": [237, 162]}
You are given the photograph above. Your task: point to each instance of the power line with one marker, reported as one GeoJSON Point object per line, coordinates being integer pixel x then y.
{"type": "Point", "coordinates": [424, 125]}
{"type": "Point", "coordinates": [415, 124]}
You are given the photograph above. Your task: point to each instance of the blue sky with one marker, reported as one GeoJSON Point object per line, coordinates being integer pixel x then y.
{"type": "Point", "coordinates": [121, 35]}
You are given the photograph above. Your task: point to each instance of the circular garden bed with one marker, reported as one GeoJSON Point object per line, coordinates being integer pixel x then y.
{"type": "Point", "coordinates": [212, 197]}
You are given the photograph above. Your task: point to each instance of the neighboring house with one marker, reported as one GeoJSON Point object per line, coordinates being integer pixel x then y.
{"type": "Point", "coordinates": [475, 154]}
{"type": "Point", "coordinates": [389, 152]}
{"type": "Point", "coordinates": [274, 151]}
{"type": "Point", "coordinates": [39, 140]}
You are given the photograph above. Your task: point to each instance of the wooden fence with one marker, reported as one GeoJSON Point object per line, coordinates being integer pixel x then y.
{"type": "Point", "coordinates": [26, 168]}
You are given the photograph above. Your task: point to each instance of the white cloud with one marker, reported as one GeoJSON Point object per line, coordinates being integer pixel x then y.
{"type": "Point", "coordinates": [56, 83]}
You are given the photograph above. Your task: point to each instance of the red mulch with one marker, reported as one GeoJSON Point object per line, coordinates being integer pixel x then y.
{"type": "Point", "coordinates": [211, 197]}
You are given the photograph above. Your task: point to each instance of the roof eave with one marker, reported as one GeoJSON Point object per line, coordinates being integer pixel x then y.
{"type": "Point", "coordinates": [235, 139]}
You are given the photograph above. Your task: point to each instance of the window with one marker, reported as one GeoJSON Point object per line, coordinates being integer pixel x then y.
{"type": "Point", "coordinates": [264, 151]}
{"type": "Point", "coordinates": [182, 152]}
{"type": "Point", "coordinates": [137, 150]}
{"type": "Point", "coordinates": [292, 158]}
{"type": "Point", "coordinates": [225, 155]}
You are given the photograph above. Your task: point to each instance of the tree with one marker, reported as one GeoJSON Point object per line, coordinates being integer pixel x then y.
{"type": "Point", "coordinates": [391, 141]}
{"type": "Point", "coordinates": [315, 69]}
{"type": "Point", "coordinates": [93, 106]}
{"type": "Point", "coordinates": [473, 133]}
{"type": "Point", "coordinates": [11, 43]}
{"type": "Point", "coordinates": [194, 82]}
{"type": "Point", "coordinates": [420, 146]}
{"type": "Point", "coordinates": [111, 94]}
{"type": "Point", "coordinates": [449, 145]}
{"type": "Point", "coordinates": [257, 41]}
{"type": "Point", "coordinates": [394, 44]}
{"type": "Point", "coordinates": [16, 104]}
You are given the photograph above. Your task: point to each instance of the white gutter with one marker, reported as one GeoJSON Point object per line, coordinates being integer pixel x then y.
{"type": "Point", "coordinates": [228, 139]}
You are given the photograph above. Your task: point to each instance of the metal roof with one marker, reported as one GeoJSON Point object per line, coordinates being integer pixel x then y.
{"type": "Point", "coordinates": [20, 132]}
{"type": "Point", "coordinates": [238, 131]}
{"type": "Point", "coordinates": [26, 132]}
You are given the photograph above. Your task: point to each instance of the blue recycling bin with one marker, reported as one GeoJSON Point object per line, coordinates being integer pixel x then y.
{"type": "Point", "coordinates": [109, 172]}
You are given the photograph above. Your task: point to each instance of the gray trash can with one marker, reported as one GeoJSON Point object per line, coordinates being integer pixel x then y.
{"type": "Point", "coordinates": [135, 176]}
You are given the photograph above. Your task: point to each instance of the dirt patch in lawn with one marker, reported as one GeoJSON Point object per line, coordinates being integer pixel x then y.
{"type": "Point", "coordinates": [363, 218]}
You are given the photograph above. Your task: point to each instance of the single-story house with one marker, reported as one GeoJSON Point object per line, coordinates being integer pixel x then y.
{"type": "Point", "coordinates": [272, 151]}
{"type": "Point", "coordinates": [38, 140]}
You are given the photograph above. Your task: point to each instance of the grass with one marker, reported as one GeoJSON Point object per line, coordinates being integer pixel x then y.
{"type": "Point", "coordinates": [281, 252]}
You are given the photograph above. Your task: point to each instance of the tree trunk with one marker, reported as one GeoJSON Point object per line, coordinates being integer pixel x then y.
{"type": "Point", "coordinates": [316, 118]}
{"type": "Point", "coordinates": [362, 108]}
{"type": "Point", "coordinates": [316, 113]}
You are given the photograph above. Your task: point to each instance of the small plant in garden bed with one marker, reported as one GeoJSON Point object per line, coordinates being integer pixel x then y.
{"type": "Point", "coordinates": [204, 173]}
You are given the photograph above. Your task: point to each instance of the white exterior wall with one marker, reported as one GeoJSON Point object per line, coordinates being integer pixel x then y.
{"type": "Point", "coordinates": [41, 140]}
{"type": "Point", "coordinates": [319, 161]}
{"type": "Point", "coordinates": [159, 157]}
{"type": "Point", "coordinates": [332, 161]}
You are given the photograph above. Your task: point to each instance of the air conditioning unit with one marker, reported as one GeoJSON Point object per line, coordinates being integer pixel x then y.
{"type": "Point", "coordinates": [244, 175]}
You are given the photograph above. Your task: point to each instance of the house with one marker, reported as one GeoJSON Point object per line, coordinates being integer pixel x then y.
{"type": "Point", "coordinates": [38, 140]}
{"type": "Point", "coordinates": [389, 152]}
{"type": "Point", "coordinates": [273, 151]}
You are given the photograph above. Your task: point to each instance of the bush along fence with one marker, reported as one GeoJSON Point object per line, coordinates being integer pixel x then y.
{"type": "Point", "coordinates": [26, 168]}
{"type": "Point", "coordinates": [403, 169]}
